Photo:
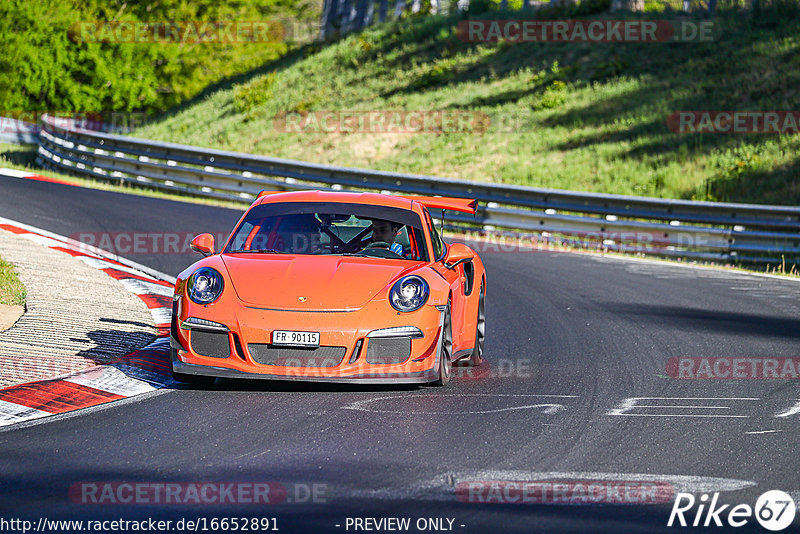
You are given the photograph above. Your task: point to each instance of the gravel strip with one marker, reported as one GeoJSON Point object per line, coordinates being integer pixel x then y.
{"type": "Point", "coordinates": [76, 316]}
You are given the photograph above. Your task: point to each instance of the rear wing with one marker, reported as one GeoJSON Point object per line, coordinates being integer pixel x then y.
{"type": "Point", "coordinates": [265, 193]}
{"type": "Point", "coordinates": [446, 203]}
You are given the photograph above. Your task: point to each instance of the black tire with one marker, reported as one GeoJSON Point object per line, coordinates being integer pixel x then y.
{"type": "Point", "coordinates": [476, 358]}
{"type": "Point", "coordinates": [446, 350]}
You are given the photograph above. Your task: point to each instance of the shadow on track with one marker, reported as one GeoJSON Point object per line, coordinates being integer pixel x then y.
{"type": "Point", "coordinates": [741, 323]}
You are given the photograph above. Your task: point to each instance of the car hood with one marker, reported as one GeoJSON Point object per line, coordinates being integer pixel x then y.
{"type": "Point", "coordinates": [299, 282]}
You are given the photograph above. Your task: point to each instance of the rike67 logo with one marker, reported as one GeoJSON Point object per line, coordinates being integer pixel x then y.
{"type": "Point", "coordinates": [774, 510]}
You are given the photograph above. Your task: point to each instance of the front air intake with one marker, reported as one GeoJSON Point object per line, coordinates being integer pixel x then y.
{"type": "Point", "coordinates": [267, 354]}
{"type": "Point", "coordinates": [211, 344]}
{"type": "Point", "coordinates": [388, 350]}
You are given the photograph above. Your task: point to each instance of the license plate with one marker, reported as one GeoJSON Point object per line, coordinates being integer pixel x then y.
{"type": "Point", "coordinates": [296, 339]}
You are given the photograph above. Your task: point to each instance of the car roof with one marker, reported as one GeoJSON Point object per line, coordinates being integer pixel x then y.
{"type": "Point", "coordinates": [336, 196]}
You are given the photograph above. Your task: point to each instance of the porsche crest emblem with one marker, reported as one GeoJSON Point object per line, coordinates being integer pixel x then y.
{"type": "Point", "coordinates": [301, 299]}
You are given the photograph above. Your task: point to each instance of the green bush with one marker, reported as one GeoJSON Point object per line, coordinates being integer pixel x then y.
{"type": "Point", "coordinates": [51, 62]}
{"type": "Point", "coordinates": [554, 95]}
{"type": "Point", "coordinates": [251, 95]}
{"type": "Point", "coordinates": [476, 7]}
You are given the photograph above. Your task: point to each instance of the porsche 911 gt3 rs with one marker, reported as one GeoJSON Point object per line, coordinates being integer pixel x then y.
{"type": "Point", "coordinates": [331, 286]}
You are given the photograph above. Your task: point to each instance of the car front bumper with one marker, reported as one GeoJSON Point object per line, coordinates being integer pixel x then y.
{"type": "Point", "coordinates": [343, 329]}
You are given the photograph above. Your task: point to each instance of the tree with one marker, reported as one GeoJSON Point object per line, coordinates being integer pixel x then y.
{"type": "Point", "coordinates": [330, 19]}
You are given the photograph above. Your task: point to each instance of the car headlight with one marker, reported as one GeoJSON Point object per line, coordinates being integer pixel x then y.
{"type": "Point", "coordinates": [205, 285]}
{"type": "Point", "coordinates": [409, 293]}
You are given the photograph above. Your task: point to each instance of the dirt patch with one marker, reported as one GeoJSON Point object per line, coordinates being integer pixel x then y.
{"type": "Point", "coordinates": [9, 314]}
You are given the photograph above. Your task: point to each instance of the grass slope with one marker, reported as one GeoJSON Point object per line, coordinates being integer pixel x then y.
{"type": "Point", "coordinates": [588, 117]}
{"type": "Point", "coordinates": [12, 292]}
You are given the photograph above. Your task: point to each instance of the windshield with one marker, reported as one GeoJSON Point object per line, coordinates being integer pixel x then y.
{"type": "Point", "coordinates": [330, 228]}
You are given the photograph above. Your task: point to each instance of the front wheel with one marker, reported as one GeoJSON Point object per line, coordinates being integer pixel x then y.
{"type": "Point", "coordinates": [445, 350]}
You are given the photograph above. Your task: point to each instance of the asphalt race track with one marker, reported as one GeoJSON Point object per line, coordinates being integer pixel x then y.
{"type": "Point", "coordinates": [571, 340]}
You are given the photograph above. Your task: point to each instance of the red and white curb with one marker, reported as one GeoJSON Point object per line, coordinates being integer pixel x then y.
{"type": "Point", "coordinates": [15, 173]}
{"type": "Point", "coordinates": [139, 372]}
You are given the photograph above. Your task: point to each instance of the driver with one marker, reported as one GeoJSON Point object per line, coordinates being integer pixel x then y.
{"type": "Point", "coordinates": [384, 231]}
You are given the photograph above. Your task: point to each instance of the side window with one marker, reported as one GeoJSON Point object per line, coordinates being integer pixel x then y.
{"type": "Point", "coordinates": [241, 236]}
{"type": "Point", "coordinates": [402, 237]}
{"type": "Point", "coordinates": [436, 241]}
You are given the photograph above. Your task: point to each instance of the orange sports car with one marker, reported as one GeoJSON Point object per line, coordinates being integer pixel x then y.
{"type": "Point", "coordinates": [334, 287]}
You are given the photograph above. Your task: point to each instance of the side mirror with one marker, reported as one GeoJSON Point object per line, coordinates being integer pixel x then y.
{"type": "Point", "coordinates": [204, 244]}
{"type": "Point", "coordinates": [458, 254]}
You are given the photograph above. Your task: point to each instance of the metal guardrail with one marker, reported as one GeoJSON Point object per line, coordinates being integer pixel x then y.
{"type": "Point", "coordinates": [707, 230]}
